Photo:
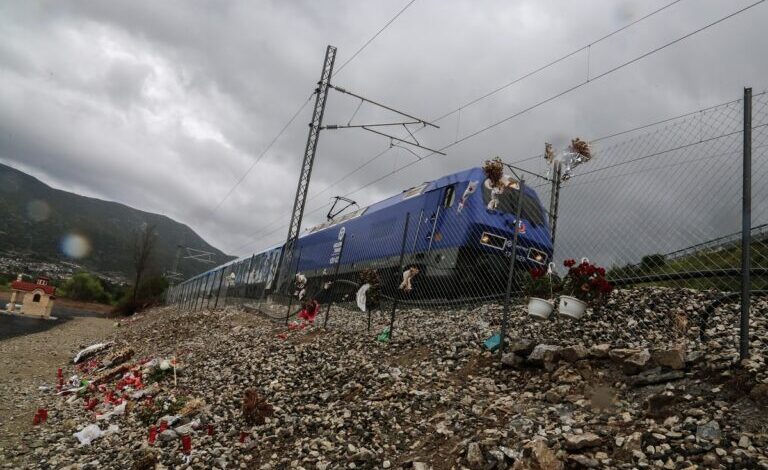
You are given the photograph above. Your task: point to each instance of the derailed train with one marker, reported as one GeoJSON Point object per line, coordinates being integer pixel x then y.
{"type": "Point", "coordinates": [459, 235]}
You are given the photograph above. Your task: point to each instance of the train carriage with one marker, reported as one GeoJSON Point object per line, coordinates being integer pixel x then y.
{"type": "Point", "coordinates": [460, 233]}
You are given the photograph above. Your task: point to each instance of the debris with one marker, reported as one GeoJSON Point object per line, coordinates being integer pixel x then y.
{"type": "Point", "coordinates": [255, 408]}
{"type": "Point", "coordinates": [92, 432]}
{"type": "Point", "coordinates": [90, 351]}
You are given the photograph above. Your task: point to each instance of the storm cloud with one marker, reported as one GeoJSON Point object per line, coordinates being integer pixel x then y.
{"type": "Point", "coordinates": [164, 105]}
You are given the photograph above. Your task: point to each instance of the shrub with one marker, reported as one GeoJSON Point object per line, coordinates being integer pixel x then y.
{"type": "Point", "coordinates": [86, 287]}
{"type": "Point", "coordinates": [149, 294]}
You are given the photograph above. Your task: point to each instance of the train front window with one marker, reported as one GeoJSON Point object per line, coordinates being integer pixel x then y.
{"type": "Point", "coordinates": [507, 203]}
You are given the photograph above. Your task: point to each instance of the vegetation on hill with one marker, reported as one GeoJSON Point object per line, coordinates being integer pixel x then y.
{"type": "Point", "coordinates": [704, 260]}
{"type": "Point", "coordinates": [46, 224]}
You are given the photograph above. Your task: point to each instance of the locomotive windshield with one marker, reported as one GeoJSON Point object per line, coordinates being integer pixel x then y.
{"type": "Point", "coordinates": [507, 202]}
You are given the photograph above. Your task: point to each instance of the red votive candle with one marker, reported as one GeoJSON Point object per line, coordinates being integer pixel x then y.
{"type": "Point", "coordinates": [43, 413]}
{"type": "Point", "coordinates": [152, 434]}
{"type": "Point", "coordinates": [163, 425]}
{"type": "Point", "coordinates": [186, 444]}
{"type": "Point", "coordinates": [210, 429]}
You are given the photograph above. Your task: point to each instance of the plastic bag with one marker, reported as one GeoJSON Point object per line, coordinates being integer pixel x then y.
{"type": "Point", "coordinates": [92, 432]}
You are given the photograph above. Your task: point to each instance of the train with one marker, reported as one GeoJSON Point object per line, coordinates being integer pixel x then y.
{"type": "Point", "coordinates": [457, 231]}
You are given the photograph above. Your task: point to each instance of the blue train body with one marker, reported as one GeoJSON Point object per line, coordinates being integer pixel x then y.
{"type": "Point", "coordinates": [452, 234]}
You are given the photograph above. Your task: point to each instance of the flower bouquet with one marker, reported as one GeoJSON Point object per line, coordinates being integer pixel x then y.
{"type": "Point", "coordinates": [584, 285]}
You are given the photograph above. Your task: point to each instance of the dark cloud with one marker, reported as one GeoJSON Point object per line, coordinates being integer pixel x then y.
{"type": "Point", "coordinates": [163, 105]}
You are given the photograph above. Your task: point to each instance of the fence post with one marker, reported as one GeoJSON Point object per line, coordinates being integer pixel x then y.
{"type": "Point", "coordinates": [333, 283]}
{"type": "Point", "coordinates": [218, 290]}
{"type": "Point", "coordinates": [511, 276]}
{"type": "Point", "coordinates": [288, 283]}
{"type": "Point", "coordinates": [554, 202]}
{"type": "Point", "coordinates": [746, 226]}
{"type": "Point", "coordinates": [397, 293]}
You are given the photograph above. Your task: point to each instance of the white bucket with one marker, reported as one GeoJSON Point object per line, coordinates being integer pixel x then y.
{"type": "Point", "coordinates": [572, 307]}
{"type": "Point", "coordinates": [540, 308]}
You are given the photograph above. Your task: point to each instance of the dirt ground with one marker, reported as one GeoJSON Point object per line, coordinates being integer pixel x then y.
{"type": "Point", "coordinates": [29, 361]}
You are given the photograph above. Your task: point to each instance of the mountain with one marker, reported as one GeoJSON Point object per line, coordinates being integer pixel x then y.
{"type": "Point", "coordinates": [40, 223]}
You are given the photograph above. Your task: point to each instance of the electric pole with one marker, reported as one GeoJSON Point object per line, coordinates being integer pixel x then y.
{"type": "Point", "coordinates": [294, 229]}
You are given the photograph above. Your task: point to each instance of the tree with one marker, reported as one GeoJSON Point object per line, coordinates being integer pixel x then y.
{"type": "Point", "coordinates": [144, 246]}
{"type": "Point", "coordinates": [86, 287]}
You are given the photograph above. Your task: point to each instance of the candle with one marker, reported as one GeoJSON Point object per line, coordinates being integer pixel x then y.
{"type": "Point", "coordinates": [186, 443]}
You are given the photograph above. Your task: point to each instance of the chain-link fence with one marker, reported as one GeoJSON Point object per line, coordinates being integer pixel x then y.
{"type": "Point", "coordinates": [659, 208]}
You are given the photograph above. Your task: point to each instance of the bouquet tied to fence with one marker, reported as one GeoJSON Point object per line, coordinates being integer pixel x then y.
{"type": "Point", "coordinates": [542, 284]}
{"type": "Point", "coordinates": [586, 282]}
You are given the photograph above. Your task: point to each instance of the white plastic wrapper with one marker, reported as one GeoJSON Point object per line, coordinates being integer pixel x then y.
{"type": "Point", "coordinates": [361, 294]}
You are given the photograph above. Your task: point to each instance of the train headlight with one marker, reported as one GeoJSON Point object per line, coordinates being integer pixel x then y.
{"type": "Point", "coordinates": [493, 241]}
{"type": "Point", "coordinates": [537, 256]}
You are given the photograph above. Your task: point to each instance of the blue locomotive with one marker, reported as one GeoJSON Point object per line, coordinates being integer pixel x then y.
{"type": "Point", "coordinates": [459, 235]}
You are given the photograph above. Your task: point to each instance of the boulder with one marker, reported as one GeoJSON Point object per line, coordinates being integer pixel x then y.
{"type": "Point", "coordinates": [521, 346]}
{"type": "Point", "coordinates": [573, 353]}
{"type": "Point", "coordinates": [673, 358]}
{"type": "Point", "coordinates": [537, 456]}
{"type": "Point", "coordinates": [544, 353]}
{"type": "Point", "coordinates": [512, 360]}
{"type": "Point", "coordinates": [632, 360]}
{"type": "Point", "coordinates": [600, 351]}
{"type": "Point", "coordinates": [655, 376]}
{"type": "Point", "coordinates": [582, 441]}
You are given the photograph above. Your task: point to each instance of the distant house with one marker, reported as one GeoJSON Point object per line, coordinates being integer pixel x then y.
{"type": "Point", "coordinates": [36, 297]}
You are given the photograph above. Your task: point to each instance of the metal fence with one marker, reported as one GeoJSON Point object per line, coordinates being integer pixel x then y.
{"type": "Point", "coordinates": [657, 206]}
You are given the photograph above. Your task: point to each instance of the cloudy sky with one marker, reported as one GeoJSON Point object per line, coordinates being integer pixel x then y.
{"type": "Point", "coordinates": [165, 105]}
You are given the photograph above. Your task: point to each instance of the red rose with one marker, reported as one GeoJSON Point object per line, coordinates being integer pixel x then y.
{"type": "Point", "coordinates": [569, 263]}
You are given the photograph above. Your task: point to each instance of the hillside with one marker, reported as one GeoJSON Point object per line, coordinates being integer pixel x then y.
{"type": "Point", "coordinates": [35, 219]}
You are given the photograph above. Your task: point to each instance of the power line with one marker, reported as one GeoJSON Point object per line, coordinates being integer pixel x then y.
{"type": "Point", "coordinates": [261, 155]}
{"type": "Point", "coordinates": [370, 40]}
{"type": "Point", "coordinates": [515, 81]}
{"type": "Point", "coordinates": [564, 92]}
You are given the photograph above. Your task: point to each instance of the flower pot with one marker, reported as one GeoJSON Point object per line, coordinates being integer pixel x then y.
{"type": "Point", "coordinates": [540, 308]}
{"type": "Point", "coordinates": [572, 307]}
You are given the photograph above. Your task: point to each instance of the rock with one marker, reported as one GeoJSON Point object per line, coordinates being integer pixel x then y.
{"type": "Point", "coordinates": [512, 360]}
{"type": "Point", "coordinates": [573, 353]}
{"type": "Point", "coordinates": [420, 466]}
{"type": "Point", "coordinates": [537, 456]}
{"type": "Point", "coordinates": [654, 376]}
{"type": "Point", "coordinates": [660, 405]}
{"type": "Point", "coordinates": [632, 360]}
{"type": "Point", "coordinates": [475, 456]}
{"type": "Point", "coordinates": [543, 353]}
{"type": "Point", "coordinates": [673, 358]}
{"type": "Point", "coordinates": [582, 441]}
{"type": "Point", "coordinates": [167, 436]}
{"type": "Point", "coordinates": [521, 346]}
{"type": "Point", "coordinates": [744, 442]}
{"type": "Point", "coordinates": [584, 461]}
{"type": "Point", "coordinates": [759, 394]}
{"type": "Point", "coordinates": [599, 351]}
{"type": "Point", "coordinates": [709, 431]}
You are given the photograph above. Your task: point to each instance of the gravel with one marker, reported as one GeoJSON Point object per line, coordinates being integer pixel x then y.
{"type": "Point", "coordinates": [433, 397]}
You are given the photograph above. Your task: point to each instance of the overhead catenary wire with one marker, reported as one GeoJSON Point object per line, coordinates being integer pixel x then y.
{"type": "Point", "coordinates": [262, 154]}
{"type": "Point", "coordinates": [370, 40]}
{"type": "Point", "coordinates": [511, 83]}
{"type": "Point", "coordinates": [553, 97]}
{"type": "Point", "coordinates": [565, 92]}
